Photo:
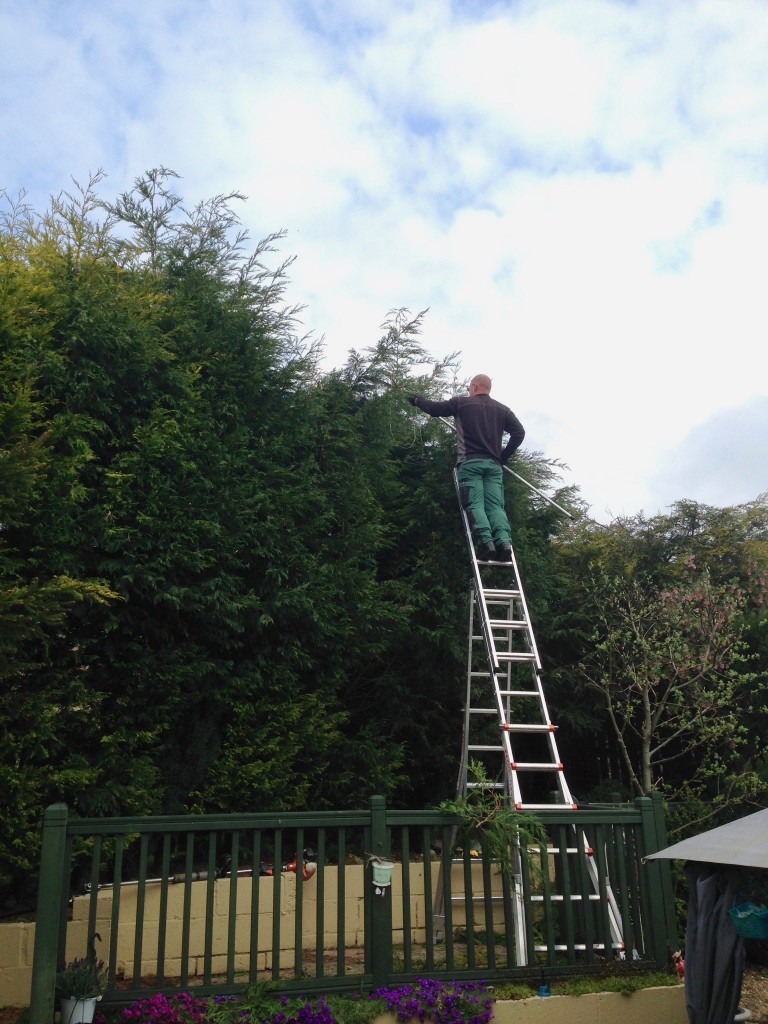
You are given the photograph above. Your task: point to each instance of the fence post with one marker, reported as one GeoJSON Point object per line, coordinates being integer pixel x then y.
{"type": "Point", "coordinates": [50, 901]}
{"type": "Point", "coordinates": [381, 905]}
{"type": "Point", "coordinates": [665, 873]}
{"type": "Point", "coordinates": [661, 902]}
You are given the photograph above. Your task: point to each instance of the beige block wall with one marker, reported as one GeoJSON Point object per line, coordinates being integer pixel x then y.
{"type": "Point", "coordinates": [17, 944]}
{"type": "Point", "coordinates": [17, 940]}
{"type": "Point", "coordinates": [353, 918]}
{"type": "Point", "coordinates": [648, 1006]}
{"type": "Point", "coordinates": [354, 879]}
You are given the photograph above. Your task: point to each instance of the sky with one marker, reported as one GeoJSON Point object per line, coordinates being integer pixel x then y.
{"type": "Point", "coordinates": [575, 190]}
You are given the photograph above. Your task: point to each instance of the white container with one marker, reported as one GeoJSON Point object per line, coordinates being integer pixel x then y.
{"type": "Point", "coordinates": [382, 872]}
{"type": "Point", "coordinates": [78, 1011]}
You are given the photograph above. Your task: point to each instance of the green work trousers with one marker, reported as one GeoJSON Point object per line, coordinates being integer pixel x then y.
{"type": "Point", "coordinates": [481, 486]}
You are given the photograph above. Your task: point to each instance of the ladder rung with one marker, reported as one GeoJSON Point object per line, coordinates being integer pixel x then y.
{"type": "Point", "coordinates": [500, 595]}
{"type": "Point", "coordinates": [475, 899]}
{"type": "Point", "coordinates": [483, 711]}
{"type": "Point", "coordinates": [506, 624]}
{"type": "Point", "coordinates": [498, 785]}
{"type": "Point", "coordinates": [535, 766]}
{"type": "Point", "coordinates": [479, 638]}
{"type": "Point", "coordinates": [499, 672]}
{"type": "Point", "coordinates": [552, 851]}
{"type": "Point", "coordinates": [574, 897]}
{"type": "Point", "coordinates": [556, 897]}
{"type": "Point", "coordinates": [521, 727]}
{"type": "Point", "coordinates": [487, 747]}
{"type": "Point", "coordinates": [546, 807]}
{"type": "Point", "coordinates": [577, 946]}
{"type": "Point", "coordinates": [519, 693]}
{"type": "Point", "coordinates": [515, 655]}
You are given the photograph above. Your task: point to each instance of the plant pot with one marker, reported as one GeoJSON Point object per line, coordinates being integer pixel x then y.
{"type": "Point", "coordinates": [78, 1011]}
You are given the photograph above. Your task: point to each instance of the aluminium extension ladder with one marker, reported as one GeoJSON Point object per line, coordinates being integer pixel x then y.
{"type": "Point", "coordinates": [505, 697]}
{"type": "Point", "coordinates": [504, 666]}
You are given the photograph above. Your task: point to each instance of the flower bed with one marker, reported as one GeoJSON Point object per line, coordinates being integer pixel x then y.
{"type": "Point", "coordinates": [426, 1000]}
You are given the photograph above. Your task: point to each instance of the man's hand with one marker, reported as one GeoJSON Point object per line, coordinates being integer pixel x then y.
{"type": "Point", "coordinates": [414, 399]}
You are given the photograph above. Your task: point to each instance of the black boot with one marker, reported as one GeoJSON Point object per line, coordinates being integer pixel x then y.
{"type": "Point", "coordinates": [486, 551]}
{"type": "Point", "coordinates": [504, 552]}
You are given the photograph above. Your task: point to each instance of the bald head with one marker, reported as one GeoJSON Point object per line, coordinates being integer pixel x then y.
{"type": "Point", "coordinates": [480, 384]}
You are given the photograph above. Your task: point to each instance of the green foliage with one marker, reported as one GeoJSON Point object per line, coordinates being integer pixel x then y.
{"type": "Point", "coordinates": [672, 607]}
{"type": "Point", "coordinates": [626, 984]}
{"type": "Point", "coordinates": [670, 665]}
{"type": "Point", "coordinates": [487, 819]}
{"type": "Point", "coordinates": [442, 1002]}
{"type": "Point", "coordinates": [236, 575]}
{"type": "Point", "coordinates": [231, 581]}
{"type": "Point", "coordinates": [81, 979]}
{"type": "Point", "coordinates": [260, 1005]}
{"type": "Point", "coordinates": [346, 1010]}
{"type": "Point", "coordinates": [622, 981]}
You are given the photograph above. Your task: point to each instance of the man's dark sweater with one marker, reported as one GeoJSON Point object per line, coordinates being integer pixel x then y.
{"type": "Point", "coordinates": [480, 423]}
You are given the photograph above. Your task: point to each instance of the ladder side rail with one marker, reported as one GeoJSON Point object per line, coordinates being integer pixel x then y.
{"type": "Point", "coordinates": [502, 701]}
{"type": "Point", "coordinates": [526, 614]}
{"type": "Point", "coordinates": [503, 744]}
{"type": "Point", "coordinates": [512, 783]}
{"type": "Point", "coordinates": [438, 907]}
{"type": "Point", "coordinates": [485, 618]}
{"type": "Point", "coordinates": [504, 705]}
{"type": "Point", "coordinates": [601, 886]}
{"type": "Point", "coordinates": [536, 671]}
{"type": "Point", "coordinates": [461, 788]}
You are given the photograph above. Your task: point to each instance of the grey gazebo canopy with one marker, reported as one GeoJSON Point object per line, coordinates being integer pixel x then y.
{"type": "Point", "coordinates": [742, 843]}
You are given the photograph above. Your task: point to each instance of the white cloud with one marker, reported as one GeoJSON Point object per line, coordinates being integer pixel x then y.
{"type": "Point", "coordinates": [576, 188]}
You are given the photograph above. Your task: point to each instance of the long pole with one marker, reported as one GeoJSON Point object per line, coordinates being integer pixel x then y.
{"type": "Point", "coordinates": [520, 478]}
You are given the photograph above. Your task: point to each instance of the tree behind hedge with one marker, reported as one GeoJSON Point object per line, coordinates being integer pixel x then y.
{"type": "Point", "coordinates": [663, 619]}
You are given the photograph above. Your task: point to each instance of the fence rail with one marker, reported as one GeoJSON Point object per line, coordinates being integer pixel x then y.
{"type": "Point", "coordinates": [218, 902]}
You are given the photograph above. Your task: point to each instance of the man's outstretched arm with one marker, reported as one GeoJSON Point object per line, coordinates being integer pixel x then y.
{"type": "Point", "coordinates": [446, 408]}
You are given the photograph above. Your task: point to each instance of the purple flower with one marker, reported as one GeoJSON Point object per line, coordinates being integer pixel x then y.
{"type": "Point", "coordinates": [466, 1002]}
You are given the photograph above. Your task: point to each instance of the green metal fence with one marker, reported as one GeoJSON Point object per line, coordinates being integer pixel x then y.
{"type": "Point", "coordinates": [218, 902]}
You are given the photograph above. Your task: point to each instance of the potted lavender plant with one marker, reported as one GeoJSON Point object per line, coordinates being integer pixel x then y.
{"type": "Point", "coordinates": [80, 985]}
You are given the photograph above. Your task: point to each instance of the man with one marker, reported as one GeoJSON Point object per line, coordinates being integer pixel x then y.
{"type": "Point", "coordinates": [481, 422]}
